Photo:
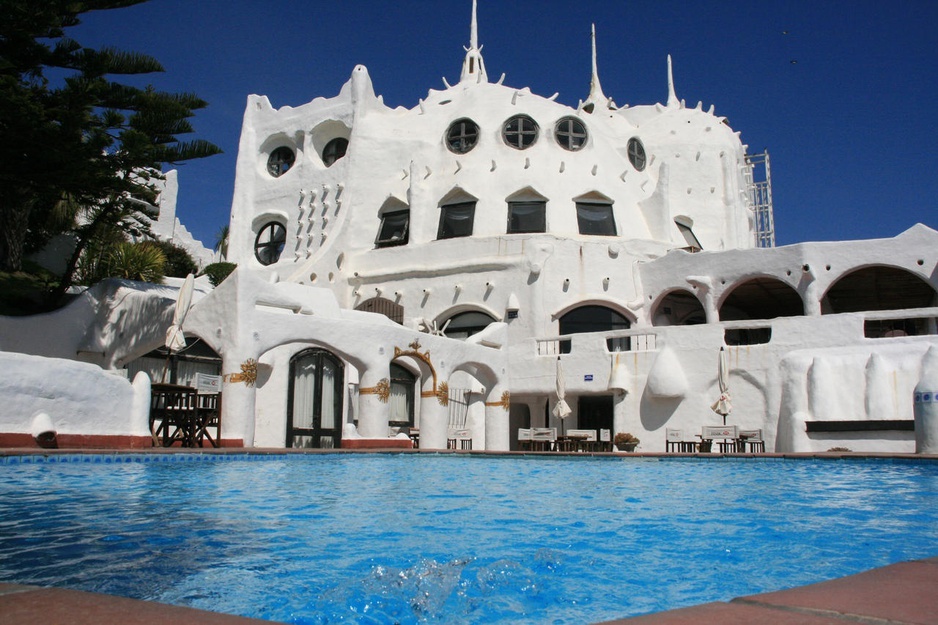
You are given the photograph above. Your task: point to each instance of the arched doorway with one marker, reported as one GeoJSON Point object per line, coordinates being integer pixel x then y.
{"type": "Point", "coordinates": [761, 298]}
{"type": "Point", "coordinates": [595, 319]}
{"type": "Point", "coordinates": [679, 308]}
{"type": "Point", "coordinates": [883, 288]}
{"type": "Point", "coordinates": [314, 410]}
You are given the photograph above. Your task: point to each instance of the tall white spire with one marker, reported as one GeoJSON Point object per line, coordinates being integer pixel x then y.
{"type": "Point", "coordinates": [473, 68]}
{"type": "Point", "coordinates": [673, 102]}
{"type": "Point", "coordinates": [596, 96]}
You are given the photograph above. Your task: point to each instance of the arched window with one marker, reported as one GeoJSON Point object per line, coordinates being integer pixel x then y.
{"type": "Point", "coordinates": [464, 325]}
{"type": "Point", "coordinates": [314, 404]}
{"type": "Point", "coordinates": [594, 319]}
{"type": "Point", "coordinates": [334, 150]}
{"type": "Point", "coordinates": [268, 245]}
{"type": "Point", "coordinates": [382, 306]}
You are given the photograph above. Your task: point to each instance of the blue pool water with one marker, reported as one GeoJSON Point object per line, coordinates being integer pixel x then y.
{"type": "Point", "coordinates": [454, 538]}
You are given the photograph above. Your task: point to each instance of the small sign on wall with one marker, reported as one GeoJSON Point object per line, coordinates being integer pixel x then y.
{"type": "Point", "coordinates": [588, 377]}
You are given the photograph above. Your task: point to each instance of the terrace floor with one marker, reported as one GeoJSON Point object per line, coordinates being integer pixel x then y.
{"type": "Point", "coordinates": [898, 594]}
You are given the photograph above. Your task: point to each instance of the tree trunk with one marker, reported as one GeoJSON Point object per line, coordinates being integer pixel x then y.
{"type": "Point", "coordinates": [14, 225]}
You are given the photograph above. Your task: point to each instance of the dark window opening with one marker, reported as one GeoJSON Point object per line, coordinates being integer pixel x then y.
{"type": "Point", "coordinates": [394, 229]}
{"type": "Point", "coordinates": [892, 328]}
{"type": "Point", "coordinates": [462, 136]}
{"type": "Point", "coordinates": [268, 246]}
{"type": "Point", "coordinates": [334, 150]}
{"type": "Point", "coordinates": [280, 161]}
{"type": "Point", "coordinates": [456, 220]}
{"type": "Point", "coordinates": [747, 336]}
{"type": "Point", "coordinates": [595, 219]}
{"type": "Point", "coordinates": [527, 217]}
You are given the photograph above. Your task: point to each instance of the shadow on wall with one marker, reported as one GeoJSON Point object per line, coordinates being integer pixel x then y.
{"type": "Point", "coordinates": [657, 411]}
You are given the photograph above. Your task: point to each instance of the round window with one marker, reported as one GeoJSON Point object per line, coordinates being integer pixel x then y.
{"type": "Point", "coordinates": [269, 243]}
{"type": "Point", "coordinates": [462, 136]}
{"type": "Point", "coordinates": [280, 161]}
{"type": "Point", "coordinates": [520, 132]}
{"type": "Point", "coordinates": [571, 133]}
{"type": "Point", "coordinates": [334, 150]}
{"type": "Point", "coordinates": [636, 154]}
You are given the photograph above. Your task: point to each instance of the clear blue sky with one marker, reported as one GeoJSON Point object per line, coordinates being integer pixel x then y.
{"type": "Point", "coordinates": [842, 93]}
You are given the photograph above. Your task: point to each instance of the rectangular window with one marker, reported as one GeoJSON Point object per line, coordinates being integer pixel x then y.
{"type": "Point", "coordinates": [393, 230]}
{"type": "Point", "coordinates": [595, 219]}
{"type": "Point", "coordinates": [527, 217]}
{"type": "Point", "coordinates": [456, 220]}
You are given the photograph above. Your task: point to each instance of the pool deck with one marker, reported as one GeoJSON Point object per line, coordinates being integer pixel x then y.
{"type": "Point", "coordinates": [898, 594]}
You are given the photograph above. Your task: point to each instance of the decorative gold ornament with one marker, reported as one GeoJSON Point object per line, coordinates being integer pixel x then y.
{"type": "Point", "coordinates": [504, 402]}
{"type": "Point", "coordinates": [442, 394]}
{"type": "Point", "coordinates": [382, 389]}
{"type": "Point", "coordinates": [248, 373]}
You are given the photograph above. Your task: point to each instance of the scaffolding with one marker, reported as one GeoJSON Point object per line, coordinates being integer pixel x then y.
{"type": "Point", "coordinates": [759, 182]}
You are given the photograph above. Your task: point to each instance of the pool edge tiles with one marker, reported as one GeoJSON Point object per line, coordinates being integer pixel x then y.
{"type": "Point", "coordinates": [108, 456]}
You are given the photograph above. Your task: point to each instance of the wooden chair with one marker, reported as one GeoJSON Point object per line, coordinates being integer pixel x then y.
{"type": "Point", "coordinates": [753, 439]}
{"type": "Point", "coordinates": [173, 415]}
{"type": "Point", "coordinates": [605, 440]}
{"type": "Point", "coordinates": [208, 417]}
{"type": "Point", "coordinates": [543, 439]}
{"type": "Point", "coordinates": [726, 435]}
{"type": "Point", "coordinates": [525, 439]}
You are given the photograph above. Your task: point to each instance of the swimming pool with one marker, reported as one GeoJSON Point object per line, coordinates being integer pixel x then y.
{"type": "Point", "coordinates": [454, 538]}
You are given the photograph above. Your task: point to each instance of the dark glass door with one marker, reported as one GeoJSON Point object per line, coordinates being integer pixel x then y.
{"type": "Point", "coordinates": [314, 411]}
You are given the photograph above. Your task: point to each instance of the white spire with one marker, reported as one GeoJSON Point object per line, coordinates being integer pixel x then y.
{"type": "Point", "coordinates": [473, 69]}
{"type": "Point", "coordinates": [673, 102]}
{"type": "Point", "coordinates": [596, 96]}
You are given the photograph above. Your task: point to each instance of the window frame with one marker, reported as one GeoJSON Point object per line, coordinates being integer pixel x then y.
{"type": "Point", "coordinates": [458, 139]}
{"type": "Point", "coordinates": [445, 210]}
{"type": "Point", "coordinates": [638, 157]}
{"type": "Point", "coordinates": [566, 136]}
{"type": "Point", "coordinates": [582, 220]}
{"type": "Point", "coordinates": [538, 204]}
{"type": "Point", "coordinates": [515, 137]}
{"type": "Point", "coordinates": [390, 241]}
{"type": "Point", "coordinates": [277, 165]}
{"type": "Point", "coordinates": [273, 241]}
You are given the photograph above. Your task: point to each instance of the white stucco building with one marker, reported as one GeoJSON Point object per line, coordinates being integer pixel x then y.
{"type": "Point", "coordinates": [630, 244]}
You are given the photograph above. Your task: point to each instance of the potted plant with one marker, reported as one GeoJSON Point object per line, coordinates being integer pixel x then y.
{"type": "Point", "coordinates": [625, 441]}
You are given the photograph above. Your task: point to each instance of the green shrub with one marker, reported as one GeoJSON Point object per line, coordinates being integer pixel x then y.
{"type": "Point", "coordinates": [217, 272]}
{"type": "Point", "coordinates": [179, 263]}
{"type": "Point", "coordinates": [137, 261]}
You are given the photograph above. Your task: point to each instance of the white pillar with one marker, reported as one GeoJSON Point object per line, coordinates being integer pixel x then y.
{"type": "Point", "coordinates": [373, 407]}
{"type": "Point", "coordinates": [926, 405]}
{"type": "Point", "coordinates": [497, 435]}
{"type": "Point", "coordinates": [434, 419]}
{"type": "Point", "coordinates": [239, 375]}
